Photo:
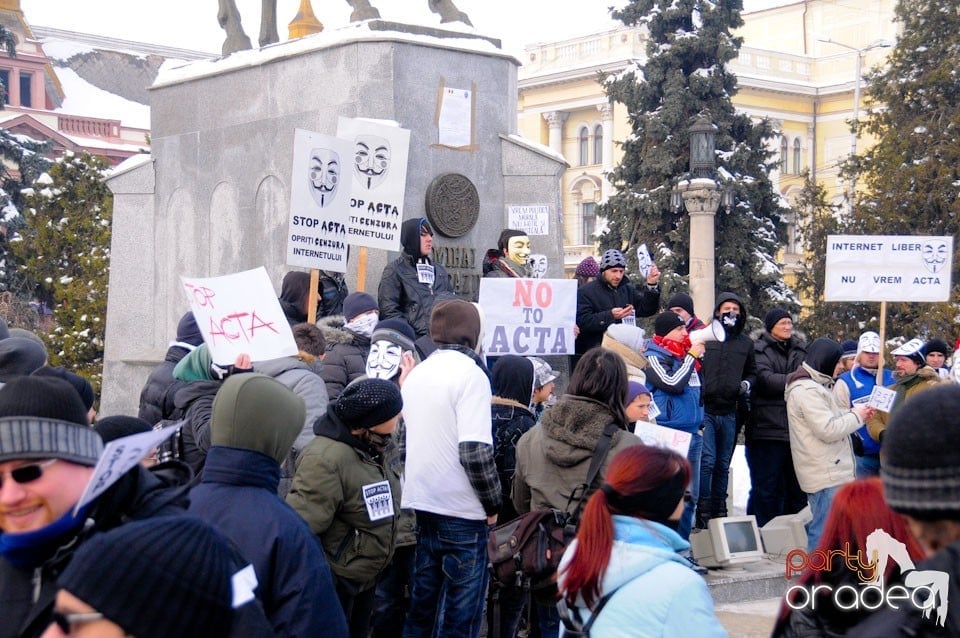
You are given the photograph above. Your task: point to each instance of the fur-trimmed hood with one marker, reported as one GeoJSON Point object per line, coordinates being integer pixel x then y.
{"type": "Point", "coordinates": [572, 428]}
{"type": "Point", "coordinates": [334, 330]}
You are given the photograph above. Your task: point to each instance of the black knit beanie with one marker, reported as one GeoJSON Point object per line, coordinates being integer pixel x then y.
{"type": "Point", "coordinates": [116, 427]}
{"type": "Point", "coordinates": [666, 322]}
{"type": "Point", "coordinates": [366, 403]}
{"type": "Point", "coordinates": [19, 356]}
{"type": "Point", "coordinates": [81, 385]}
{"type": "Point", "coordinates": [156, 578]}
{"type": "Point", "coordinates": [188, 331]}
{"type": "Point", "coordinates": [921, 474]}
{"type": "Point", "coordinates": [681, 300]}
{"type": "Point", "coordinates": [936, 345]}
{"type": "Point", "coordinates": [44, 418]}
{"type": "Point", "coordinates": [772, 317]}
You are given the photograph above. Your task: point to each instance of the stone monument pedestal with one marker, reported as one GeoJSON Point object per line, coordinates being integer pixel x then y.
{"type": "Point", "coordinates": [215, 198]}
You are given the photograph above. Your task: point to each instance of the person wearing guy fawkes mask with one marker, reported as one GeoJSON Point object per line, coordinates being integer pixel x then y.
{"type": "Point", "coordinates": [729, 370]}
{"type": "Point", "coordinates": [348, 341]}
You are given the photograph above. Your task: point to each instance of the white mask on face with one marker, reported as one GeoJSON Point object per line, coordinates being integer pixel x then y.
{"type": "Point", "coordinates": [364, 324]}
{"type": "Point", "coordinates": [383, 362]}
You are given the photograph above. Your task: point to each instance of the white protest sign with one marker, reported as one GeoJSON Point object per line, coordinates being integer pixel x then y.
{"type": "Point", "coordinates": [661, 436]}
{"type": "Point", "coordinates": [538, 265]}
{"type": "Point", "coordinates": [888, 268]}
{"type": "Point", "coordinates": [380, 180]}
{"type": "Point", "coordinates": [644, 261]}
{"type": "Point", "coordinates": [528, 317]}
{"type": "Point", "coordinates": [456, 117]}
{"type": "Point", "coordinates": [319, 201]}
{"type": "Point", "coordinates": [882, 398]}
{"type": "Point", "coordinates": [118, 457]}
{"type": "Point", "coordinates": [238, 314]}
{"type": "Point", "coordinates": [533, 220]}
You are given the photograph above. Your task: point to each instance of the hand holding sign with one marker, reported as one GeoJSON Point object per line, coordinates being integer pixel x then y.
{"type": "Point", "coordinates": [882, 399]}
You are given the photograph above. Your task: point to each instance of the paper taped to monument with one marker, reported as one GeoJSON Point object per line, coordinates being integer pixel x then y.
{"type": "Point", "coordinates": [319, 201]}
{"type": "Point", "coordinates": [379, 172]}
{"type": "Point", "coordinates": [888, 268]}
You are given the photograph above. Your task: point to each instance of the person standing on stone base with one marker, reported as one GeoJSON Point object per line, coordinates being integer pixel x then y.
{"type": "Point", "coordinates": [411, 285]}
{"type": "Point", "coordinates": [773, 483]}
{"type": "Point", "coordinates": [510, 258]}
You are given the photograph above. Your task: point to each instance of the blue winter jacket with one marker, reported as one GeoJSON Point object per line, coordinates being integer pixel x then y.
{"type": "Point", "coordinates": [657, 592]}
{"type": "Point", "coordinates": [238, 496]}
{"type": "Point", "coordinates": [675, 386]}
{"type": "Point", "coordinates": [861, 383]}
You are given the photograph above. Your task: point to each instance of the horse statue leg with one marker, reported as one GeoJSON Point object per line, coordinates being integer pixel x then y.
{"type": "Point", "coordinates": [363, 11]}
{"type": "Point", "coordinates": [268, 22]}
{"type": "Point", "coordinates": [229, 19]}
{"type": "Point", "coordinates": [448, 11]}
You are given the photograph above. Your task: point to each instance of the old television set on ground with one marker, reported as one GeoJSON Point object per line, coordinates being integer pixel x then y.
{"type": "Point", "coordinates": [783, 534]}
{"type": "Point", "coordinates": [728, 541]}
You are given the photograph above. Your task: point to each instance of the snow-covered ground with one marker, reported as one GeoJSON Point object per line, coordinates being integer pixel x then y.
{"type": "Point", "coordinates": [740, 479]}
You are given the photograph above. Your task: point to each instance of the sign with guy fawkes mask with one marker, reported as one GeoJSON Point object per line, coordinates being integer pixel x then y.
{"type": "Point", "coordinates": [379, 173]}
{"type": "Point", "coordinates": [319, 202]}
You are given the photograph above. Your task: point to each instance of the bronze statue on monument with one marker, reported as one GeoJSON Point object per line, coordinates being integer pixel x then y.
{"type": "Point", "coordinates": [229, 18]}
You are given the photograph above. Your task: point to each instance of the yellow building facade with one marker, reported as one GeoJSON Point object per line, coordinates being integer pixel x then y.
{"type": "Point", "coordinates": [798, 66]}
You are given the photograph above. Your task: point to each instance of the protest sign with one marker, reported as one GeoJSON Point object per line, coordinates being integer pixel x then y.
{"type": "Point", "coordinates": [528, 317]}
{"type": "Point", "coordinates": [661, 436]}
{"type": "Point", "coordinates": [888, 268]}
{"type": "Point", "coordinates": [644, 261]}
{"type": "Point", "coordinates": [882, 398]}
{"type": "Point", "coordinates": [380, 180]}
{"type": "Point", "coordinates": [319, 201]}
{"type": "Point", "coordinates": [117, 458]}
{"type": "Point", "coordinates": [533, 220]}
{"type": "Point", "coordinates": [238, 314]}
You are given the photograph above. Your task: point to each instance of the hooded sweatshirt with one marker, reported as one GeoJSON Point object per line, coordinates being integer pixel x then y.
{"type": "Point", "coordinates": [726, 364]}
{"type": "Point", "coordinates": [513, 385]}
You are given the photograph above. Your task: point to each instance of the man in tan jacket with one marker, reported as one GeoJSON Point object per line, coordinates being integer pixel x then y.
{"type": "Point", "coordinates": [912, 376]}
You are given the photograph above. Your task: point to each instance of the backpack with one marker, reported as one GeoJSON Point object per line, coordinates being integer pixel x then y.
{"type": "Point", "coordinates": [573, 625]}
{"type": "Point", "coordinates": [527, 550]}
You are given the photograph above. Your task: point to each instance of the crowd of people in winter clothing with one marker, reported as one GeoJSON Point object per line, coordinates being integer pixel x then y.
{"type": "Point", "coordinates": [350, 489]}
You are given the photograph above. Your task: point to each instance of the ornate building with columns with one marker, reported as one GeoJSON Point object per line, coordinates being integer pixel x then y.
{"type": "Point", "coordinates": [800, 66]}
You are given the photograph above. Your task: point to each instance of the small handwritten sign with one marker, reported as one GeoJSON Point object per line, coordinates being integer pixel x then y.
{"type": "Point", "coordinates": [661, 436]}
{"type": "Point", "coordinates": [240, 313]}
{"type": "Point", "coordinates": [119, 456]}
{"type": "Point", "coordinates": [882, 398]}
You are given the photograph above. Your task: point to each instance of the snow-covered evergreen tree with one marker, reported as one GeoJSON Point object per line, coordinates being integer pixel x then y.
{"type": "Point", "coordinates": [684, 77]}
{"type": "Point", "coordinates": [64, 246]}
{"type": "Point", "coordinates": [910, 180]}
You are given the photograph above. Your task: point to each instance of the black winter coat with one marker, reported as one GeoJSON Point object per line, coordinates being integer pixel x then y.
{"type": "Point", "coordinates": [595, 301]}
{"type": "Point", "coordinates": [195, 399]}
{"type": "Point", "coordinates": [157, 396]}
{"type": "Point", "coordinates": [775, 360]}
{"type": "Point", "coordinates": [402, 295]}
{"type": "Point", "coordinates": [346, 358]}
{"type": "Point", "coordinates": [137, 495]}
{"type": "Point", "coordinates": [726, 363]}
{"type": "Point", "coordinates": [510, 421]}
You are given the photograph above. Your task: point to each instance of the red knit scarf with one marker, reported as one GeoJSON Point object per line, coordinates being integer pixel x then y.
{"type": "Point", "coordinates": [676, 348]}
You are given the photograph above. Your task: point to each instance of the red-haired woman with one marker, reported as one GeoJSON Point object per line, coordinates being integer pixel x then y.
{"type": "Point", "coordinates": [626, 558]}
{"type": "Point", "coordinates": [859, 521]}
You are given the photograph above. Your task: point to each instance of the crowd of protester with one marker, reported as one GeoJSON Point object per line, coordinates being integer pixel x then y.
{"type": "Point", "coordinates": [350, 490]}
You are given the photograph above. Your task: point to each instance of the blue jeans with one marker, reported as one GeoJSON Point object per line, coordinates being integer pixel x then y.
{"type": "Point", "coordinates": [719, 441]}
{"type": "Point", "coordinates": [390, 603]}
{"type": "Point", "coordinates": [867, 465]}
{"type": "Point", "coordinates": [773, 483]}
{"type": "Point", "coordinates": [819, 507]}
{"type": "Point", "coordinates": [690, 507]}
{"type": "Point", "coordinates": [449, 579]}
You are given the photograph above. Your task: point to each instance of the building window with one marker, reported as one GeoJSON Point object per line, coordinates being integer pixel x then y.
{"type": "Point", "coordinates": [796, 156]}
{"type": "Point", "coordinates": [598, 144]}
{"type": "Point", "coordinates": [5, 81]}
{"type": "Point", "coordinates": [588, 215]}
{"type": "Point", "coordinates": [783, 154]}
{"type": "Point", "coordinates": [26, 99]}
{"type": "Point", "coordinates": [584, 140]}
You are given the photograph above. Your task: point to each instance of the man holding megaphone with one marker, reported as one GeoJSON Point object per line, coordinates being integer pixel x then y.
{"type": "Point", "coordinates": [729, 370]}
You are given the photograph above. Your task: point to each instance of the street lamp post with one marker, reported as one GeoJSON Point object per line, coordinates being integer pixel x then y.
{"type": "Point", "coordinates": [701, 196]}
{"type": "Point", "coordinates": [858, 81]}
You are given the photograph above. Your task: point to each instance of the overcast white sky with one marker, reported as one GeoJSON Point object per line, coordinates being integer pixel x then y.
{"type": "Point", "coordinates": [192, 24]}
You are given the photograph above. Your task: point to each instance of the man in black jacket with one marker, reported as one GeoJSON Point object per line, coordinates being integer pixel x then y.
{"type": "Point", "coordinates": [729, 371]}
{"type": "Point", "coordinates": [611, 298]}
{"type": "Point", "coordinates": [774, 489]}
{"type": "Point", "coordinates": [413, 283]}
{"type": "Point", "coordinates": [157, 396]}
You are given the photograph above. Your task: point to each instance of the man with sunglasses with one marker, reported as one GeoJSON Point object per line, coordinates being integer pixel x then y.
{"type": "Point", "coordinates": [47, 454]}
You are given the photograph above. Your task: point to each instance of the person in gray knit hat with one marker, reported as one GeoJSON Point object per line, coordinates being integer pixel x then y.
{"type": "Point", "coordinates": [47, 455]}
{"type": "Point", "coordinates": [920, 470]}
{"type": "Point", "coordinates": [349, 496]}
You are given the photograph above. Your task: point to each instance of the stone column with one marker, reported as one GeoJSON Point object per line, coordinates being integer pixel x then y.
{"type": "Point", "coordinates": [701, 197]}
{"type": "Point", "coordinates": [555, 120]}
{"type": "Point", "coordinates": [606, 119]}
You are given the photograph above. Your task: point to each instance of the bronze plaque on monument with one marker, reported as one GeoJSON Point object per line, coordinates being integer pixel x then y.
{"type": "Point", "coordinates": [453, 204]}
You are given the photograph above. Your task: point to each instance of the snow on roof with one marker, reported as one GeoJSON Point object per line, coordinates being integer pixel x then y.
{"type": "Point", "coordinates": [129, 164]}
{"type": "Point", "coordinates": [83, 98]}
{"type": "Point", "coordinates": [354, 32]}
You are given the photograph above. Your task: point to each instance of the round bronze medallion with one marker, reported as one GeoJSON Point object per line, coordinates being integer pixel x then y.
{"type": "Point", "coordinates": [453, 204]}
